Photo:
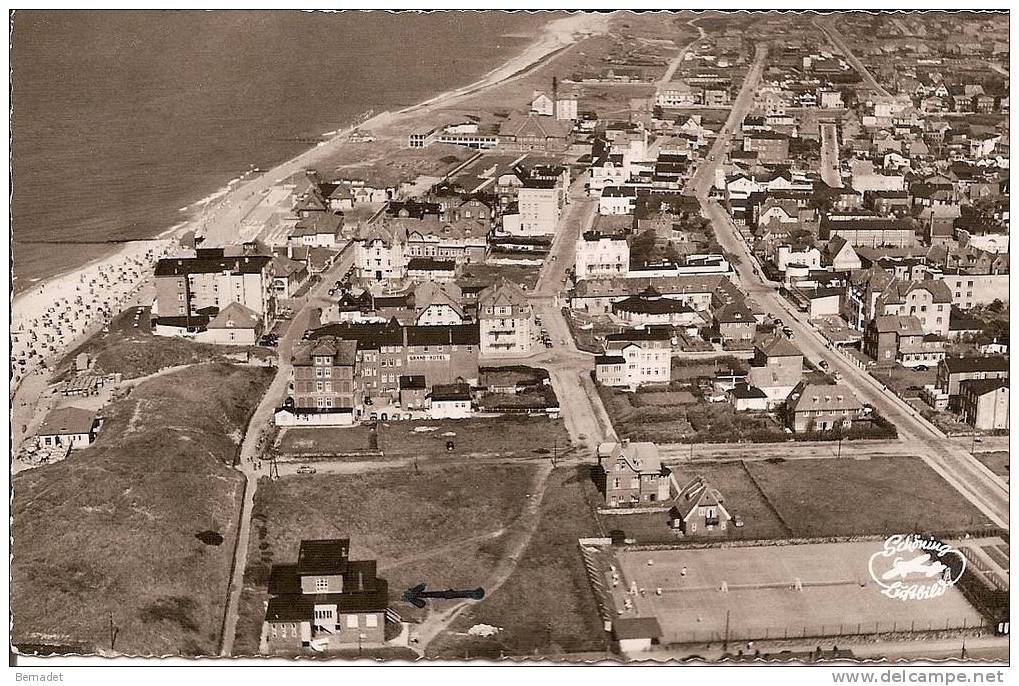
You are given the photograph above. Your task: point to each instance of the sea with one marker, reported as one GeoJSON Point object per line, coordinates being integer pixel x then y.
{"type": "Point", "coordinates": [122, 120]}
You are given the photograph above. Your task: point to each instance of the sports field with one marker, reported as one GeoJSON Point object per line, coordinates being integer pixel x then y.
{"type": "Point", "coordinates": [835, 595]}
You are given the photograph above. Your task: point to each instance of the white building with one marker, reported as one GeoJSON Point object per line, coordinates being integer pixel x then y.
{"type": "Point", "coordinates": [602, 255]}
{"type": "Point", "coordinates": [380, 254]}
{"type": "Point", "coordinates": [504, 320]}
{"type": "Point", "coordinates": [633, 358]}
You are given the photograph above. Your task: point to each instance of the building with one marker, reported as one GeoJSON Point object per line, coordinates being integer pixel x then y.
{"type": "Point", "coordinates": [413, 392]}
{"type": "Point", "coordinates": [322, 386]}
{"type": "Point", "coordinates": [600, 254]}
{"type": "Point", "coordinates": [860, 229]}
{"type": "Point", "coordinates": [438, 304]}
{"type": "Point", "coordinates": [533, 132]}
{"type": "Point", "coordinates": [776, 369]}
{"type": "Point", "coordinates": [645, 354]}
{"type": "Point", "coordinates": [234, 325]}
{"type": "Point", "coordinates": [952, 371]}
{"type": "Point", "coordinates": [699, 510]}
{"type": "Point", "coordinates": [929, 300]}
{"type": "Point", "coordinates": [324, 602]}
{"type": "Point", "coordinates": [735, 323]}
{"type": "Point", "coordinates": [891, 339]}
{"type": "Point", "coordinates": [386, 351]}
{"type": "Point", "coordinates": [540, 204]}
{"type": "Point", "coordinates": [450, 401]}
{"type": "Point", "coordinates": [190, 288]}
{"type": "Point", "coordinates": [816, 407]}
{"type": "Point", "coordinates": [633, 475]}
{"type": "Point", "coordinates": [771, 147]}
{"type": "Point", "coordinates": [649, 307]}
{"type": "Point", "coordinates": [380, 254]}
{"type": "Point", "coordinates": [983, 403]}
{"type": "Point", "coordinates": [70, 428]}
{"type": "Point", "coordinates": [505, 320]}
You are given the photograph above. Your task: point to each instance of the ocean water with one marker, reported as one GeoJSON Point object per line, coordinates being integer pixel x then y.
{"type": "Point", "coordinates": [121, 119]}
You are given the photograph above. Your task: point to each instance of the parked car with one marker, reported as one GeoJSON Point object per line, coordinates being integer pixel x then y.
{"type": "Point", "coordinates": [822, 364]}
{"type": "Point", "coordinates": [305, 469]}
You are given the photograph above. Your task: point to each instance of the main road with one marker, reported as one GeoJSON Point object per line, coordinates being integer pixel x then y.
{"type": "Point", "coordinates": [853, 60]}
{"type": "Point", "coordinates": [830, 155]}
{"type": "Point", "coordinates": [984, 489]}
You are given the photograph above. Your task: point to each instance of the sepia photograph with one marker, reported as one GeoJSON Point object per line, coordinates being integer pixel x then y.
{"type": "Point", "coordinates": [503, 338]}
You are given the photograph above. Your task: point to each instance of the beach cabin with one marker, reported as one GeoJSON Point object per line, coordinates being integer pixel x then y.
{"type": "Point", "coordinates": [68, 427]}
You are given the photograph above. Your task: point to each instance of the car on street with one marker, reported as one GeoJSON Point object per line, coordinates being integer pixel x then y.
{"type": "Point", "coordinates": [822, 364]}
{"type": "Point", "coordinates": [305, 469]}
{"type": "Point", "coordinates": [788, 332]}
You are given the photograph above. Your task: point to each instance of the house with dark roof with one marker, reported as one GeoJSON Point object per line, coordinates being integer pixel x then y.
{"type": "Point", "coordinates": [450, 401]}
{"type": "Point", "coordinates": [325, 601]}
{"type": "Point", "coordinates": [952, 371]}
{"type": "Point", "coordinates": [632, 475]}
{"type": "Point", "coordinates": [68, 427]}
{"type": "Point", "coordinates": [649, 307]}
{"type": "Point", "coordinates": [983, 403]}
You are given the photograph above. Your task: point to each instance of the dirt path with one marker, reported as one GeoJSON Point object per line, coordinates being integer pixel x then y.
{"type": "Point", "coordinates": [428, 554]}
{"type": "Point", "coordinates": [437, 622]}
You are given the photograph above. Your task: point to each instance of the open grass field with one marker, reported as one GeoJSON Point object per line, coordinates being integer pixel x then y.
{"type": "Point", "coordinates": [485, 436]}
{"type": "Point", "coordinates": [882, 495]}
{"type": "Point", "coordinates": [114, 528]}
{"type": "Point", "coordinates": [684, 422]}
{"type": "Point", "coordinates": [506, 435]}
{"type": "Point", "coordinates": [838, 596]}
{"type": "Point", "coordinates": [546, 605]}
{"type": "Point", "coordinates": [135, 352]}
{"type": "Point", "coordinates": [444, 527]}
{"type": "Point", "coordinates": [997, 462]}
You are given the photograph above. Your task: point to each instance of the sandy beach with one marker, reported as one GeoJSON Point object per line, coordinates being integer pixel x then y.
{"type": "Point", "coordinates": [54, 315]}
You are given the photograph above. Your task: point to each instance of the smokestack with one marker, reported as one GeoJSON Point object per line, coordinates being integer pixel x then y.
{"type": "Point", "coordinates": [555, 98]}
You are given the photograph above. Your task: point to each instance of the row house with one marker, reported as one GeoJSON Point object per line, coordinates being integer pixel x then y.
{"type": "Point", "coordinates": [862, 229]}
{"type": "Point", "coordinates": [983, 403]}
{"type": "Point", "coordinates": [700, 293]}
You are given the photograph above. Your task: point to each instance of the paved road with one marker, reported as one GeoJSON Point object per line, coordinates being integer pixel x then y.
{"type": "Point", "coordinates": [836, 40]}
{"type": "Point", "coordinates": [260, 421]}
{"type": "Point", "coordinates": [830, 156]}
{"type": "Point", "coordinates": [986, 491]}
{"type": "Point", "coordinates": [583, 414]}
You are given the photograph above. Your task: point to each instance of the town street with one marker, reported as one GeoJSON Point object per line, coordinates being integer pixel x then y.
{"type": "Point", "coordinates": [678, 59]}
{"type": "Point", "coordinates": [261, 420]}
{"type": "Point", "coordinates": [830, 155]}
{"type": "Point", "coordinates": [984, 489]}
{"type": "Point", "coordinates": [853, 60]}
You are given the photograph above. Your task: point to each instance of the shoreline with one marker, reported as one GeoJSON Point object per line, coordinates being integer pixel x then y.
{"type": "Point", "coordinates": [217, 215]}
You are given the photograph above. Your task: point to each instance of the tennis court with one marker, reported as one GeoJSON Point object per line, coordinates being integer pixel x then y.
{"type": "Point", "coordinates": [771, 592]}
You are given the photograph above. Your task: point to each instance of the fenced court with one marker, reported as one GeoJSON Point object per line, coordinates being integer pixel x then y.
{"type": "Point", "coordinates": [772, 592]}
